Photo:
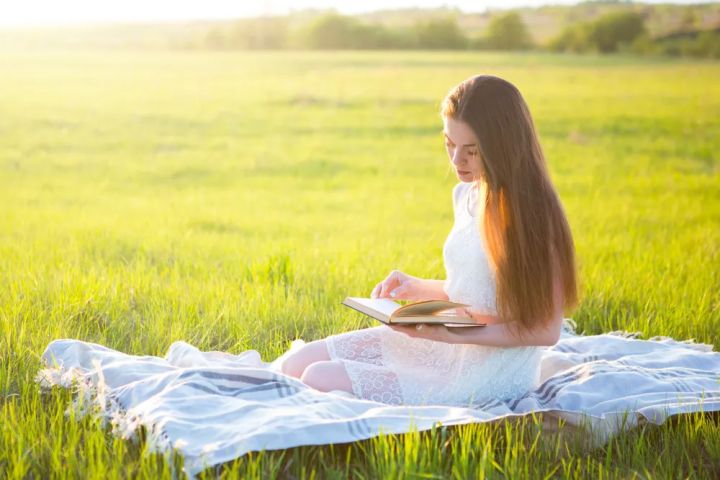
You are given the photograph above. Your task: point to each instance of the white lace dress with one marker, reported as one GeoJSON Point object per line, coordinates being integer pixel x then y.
{"type": "Point", "coordinates": [391, 367]}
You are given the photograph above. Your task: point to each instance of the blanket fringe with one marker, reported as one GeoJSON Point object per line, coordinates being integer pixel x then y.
{"type": "Point", "coordinates": [93, 397]}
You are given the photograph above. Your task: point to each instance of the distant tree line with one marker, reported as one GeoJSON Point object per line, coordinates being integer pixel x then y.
{"type": "Point", "coordinates": [625, 31]}
{"type": "Point", "coordinates": [618, 31]}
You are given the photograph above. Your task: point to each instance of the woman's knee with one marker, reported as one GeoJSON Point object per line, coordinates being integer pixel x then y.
{"type": "Point", "coordinates": [327, 376]}
{"type": "Point", "coordinates": [295, 364]}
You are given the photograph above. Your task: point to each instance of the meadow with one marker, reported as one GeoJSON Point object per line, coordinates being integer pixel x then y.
{"type": "Point", "coordinates": [233, 199]}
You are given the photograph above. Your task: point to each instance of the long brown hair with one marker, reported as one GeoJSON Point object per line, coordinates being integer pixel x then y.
{"type": "Point", "coordinates": [525, 228]}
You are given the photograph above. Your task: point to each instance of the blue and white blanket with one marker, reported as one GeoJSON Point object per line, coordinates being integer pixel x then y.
{"type": "Point", "coordinates": [213, 407]}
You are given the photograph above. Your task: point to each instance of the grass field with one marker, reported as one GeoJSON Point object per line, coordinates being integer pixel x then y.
{"type": "Point", "coordinates": [232, 200]}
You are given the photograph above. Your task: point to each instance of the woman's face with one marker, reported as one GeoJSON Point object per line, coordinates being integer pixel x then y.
{"type": "Point", "coordinates": [461, 145]}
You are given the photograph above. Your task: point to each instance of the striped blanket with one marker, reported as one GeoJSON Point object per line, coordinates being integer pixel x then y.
{"type": "Point", "coordinates": [213, 407]}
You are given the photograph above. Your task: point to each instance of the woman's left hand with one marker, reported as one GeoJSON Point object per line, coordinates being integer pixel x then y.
{"type": "Point", "coordinates": [438, 332]}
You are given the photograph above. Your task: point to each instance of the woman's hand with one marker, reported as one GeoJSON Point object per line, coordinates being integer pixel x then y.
{"type": "Point", "coordinates": [437, 332]}
{"type": "Point", "coordinates": [400, 286]}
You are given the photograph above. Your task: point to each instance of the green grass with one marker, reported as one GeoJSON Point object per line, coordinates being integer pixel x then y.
{"type": "Point", "coordinates": [232, 200]}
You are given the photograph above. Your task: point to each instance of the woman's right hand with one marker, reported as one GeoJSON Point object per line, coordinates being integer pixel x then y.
{"type": "Point", "coordinates": [399, 286]}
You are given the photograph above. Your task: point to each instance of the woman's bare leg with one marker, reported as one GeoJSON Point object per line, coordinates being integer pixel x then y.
{"type": "Point", "coordinates": [295, 364]}
{"type": "Point", "coordinates": [327, 376]}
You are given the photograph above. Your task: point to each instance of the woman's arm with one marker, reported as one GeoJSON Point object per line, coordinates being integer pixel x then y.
{"type": "Point", "coordinates": [496, 333]}
{"type": "Point", "coordinates": [499, 334]}
{"type": "Point", "coordinates": [433, 289]}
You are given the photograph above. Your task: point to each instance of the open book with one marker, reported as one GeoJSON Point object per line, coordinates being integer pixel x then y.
{"type": "Point", "coordinates": [424, 311]}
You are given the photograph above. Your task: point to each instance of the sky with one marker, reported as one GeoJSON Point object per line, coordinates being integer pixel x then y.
{"type": "Point", "coordinates": [69, 12]}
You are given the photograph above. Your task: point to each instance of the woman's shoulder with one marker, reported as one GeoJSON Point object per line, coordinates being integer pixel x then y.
{"type": "Point", "coordinates": [459, 191]}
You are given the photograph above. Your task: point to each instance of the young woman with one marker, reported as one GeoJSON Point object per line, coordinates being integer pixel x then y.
{"type": "Point", "coordinates": [509, 255]}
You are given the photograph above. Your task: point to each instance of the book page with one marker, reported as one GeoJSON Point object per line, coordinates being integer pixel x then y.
{"type": "Point", "coordinates": [428, 307]}
{"type": "Point", "coordinates": [382, 305]}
